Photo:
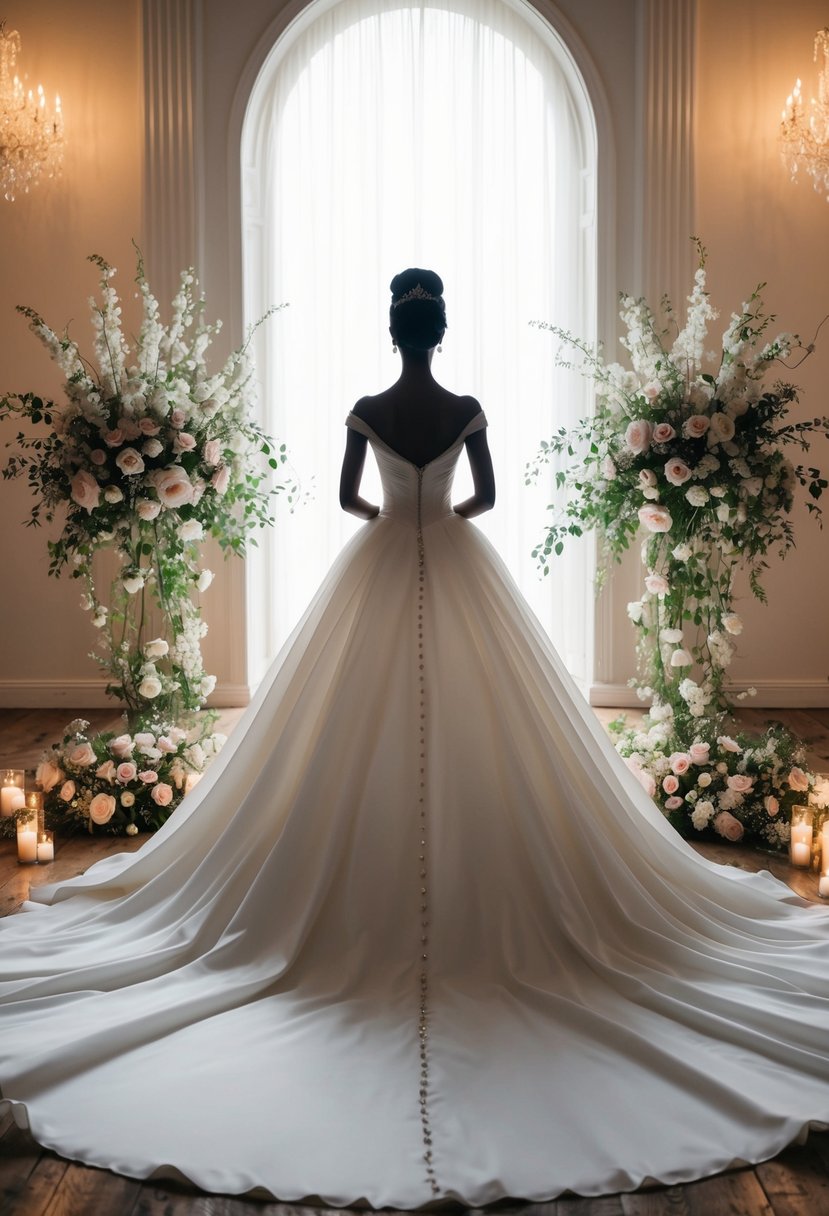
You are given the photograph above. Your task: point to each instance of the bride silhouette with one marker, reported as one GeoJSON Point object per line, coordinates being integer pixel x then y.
{"type": "Point", "coordinates": [419, 935]}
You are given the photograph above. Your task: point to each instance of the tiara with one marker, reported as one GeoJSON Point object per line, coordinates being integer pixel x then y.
{"type": "Point", "coordinates": [417, 293]}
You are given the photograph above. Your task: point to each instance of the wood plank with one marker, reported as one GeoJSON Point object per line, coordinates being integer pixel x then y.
{"type": "Point", "coordinates": [85, 1191]}
{"type": "Point", "coordinates": [796, 1182]}
{"type": "Point", "coordinates": [39, 1190]}
{"type": "Point", "coordinates": [576, 1205]}
{"type": "Point", "coordinates": [738, 1193]}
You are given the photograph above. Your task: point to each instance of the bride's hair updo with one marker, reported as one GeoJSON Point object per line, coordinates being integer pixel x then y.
{"type": "Point", "coordinates": [417, 317]}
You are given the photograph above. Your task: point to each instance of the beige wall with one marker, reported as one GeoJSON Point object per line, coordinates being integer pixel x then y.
{"type": "Point", "coordinates": [760, 226]}
{"type": "Point", "coordinates": [754, 222]}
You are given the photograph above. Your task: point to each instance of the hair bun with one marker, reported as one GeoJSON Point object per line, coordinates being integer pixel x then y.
{"type": "Point", "coordinates": [409, 279]}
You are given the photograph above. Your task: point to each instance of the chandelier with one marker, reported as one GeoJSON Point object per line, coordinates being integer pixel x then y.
{"type": "Point", "coordinates": [31, 139]}
{"type": "Point", "coordinates": [804, 131]}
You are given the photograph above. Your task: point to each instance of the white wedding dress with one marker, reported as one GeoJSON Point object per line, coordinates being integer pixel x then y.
{"type": "Point", "coordinates": [418, 934]}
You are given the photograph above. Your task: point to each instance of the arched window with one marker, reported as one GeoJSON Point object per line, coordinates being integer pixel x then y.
{"type": "Point", "coordinates": [452, 134]}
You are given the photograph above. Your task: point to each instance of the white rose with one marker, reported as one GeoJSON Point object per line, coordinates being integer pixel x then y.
{"type": "Point", "coordinates": [638, 436]}
{"type": "Point", "coordinates": [657, 584]}
{"type": "Point", "coordinates": [670, 635]}
{"type": "Point", "coordinates": [682, 552]}
{"type": "Point", "coordinates": [100, 618]}
{"type": "Point", "coordinates": [608, 469]}
{"type": "Point", "coordinates": [677, 471]}
{"type": "Point", "coordinates": [720, 429]}
{"type": "Point", "coordinates": [131, 828]}
{"type": "Point", "coordinates": [704, 780]}
{"type": "Point", "coordinates": [681, 658]}
{"type": "Point", "coordinates": [207, 685]}
{"type": "Point", "coordinates": [204, 580]}
{"type": "Point", "coordinates": [156, 649]}
{"type": "Point", "coordinates": [113, 494]}
{"type": "Point", "coordinates": [172, 486]}
{"type": "Point", "coordinates": [717, 491]}
{"type": "Point", "coordinates": [85, 490]}
{"type": "Point", "coordinates": [133, 583]}
{"type": "Point", "coordinates": [697, 496]}
{"type": "Point", "coordinates": [152, 448]}
{"type": "Point", "coordinates": [655, 518]}
{"type": "Point", "coordinates": [127, 798]}
{"type": "Point", "coordinates": [191, 529]}
{"type": "Point", "coordinates": [732, 623]}
{"type": "Point", "coordinates": [147, 509]}
{"type": "Point", "coordinates": [149, 687]}
{"type": "Point", "coordinates": [129, 462]}
{"type": "Point", "coordinates": [752, 486]}
{"type": "Point", "coordinates": [635, 611]}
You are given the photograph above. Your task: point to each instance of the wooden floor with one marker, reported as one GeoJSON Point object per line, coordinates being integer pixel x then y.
{"type": "Point", "coordinates": [34, 1182]}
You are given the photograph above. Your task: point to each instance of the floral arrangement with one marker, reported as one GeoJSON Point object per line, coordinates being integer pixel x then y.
{"type": "Point", "coordinates": [121, 783]}
{"type": "Point", "coordinates": [149, 454]}
{"type": "Point", "coordinates": [690, 448]}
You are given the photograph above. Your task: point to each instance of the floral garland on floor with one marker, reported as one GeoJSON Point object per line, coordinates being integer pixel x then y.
{"type": "Point", "coordinates": [696, 458]}
{"type": "Point", "coordinates": [149, 454]}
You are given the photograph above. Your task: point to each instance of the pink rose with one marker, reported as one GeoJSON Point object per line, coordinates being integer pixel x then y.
{"type": "Point", "coordinates": [699, 753]}
{"type": "Point", "coordinates": [663, 432]}
{"type": "Point", "coordinates": [172, 486]}
{"type": "Point", "coordinates": [220, 479]}
{"type": "Point", "coordinates": [113, 438]}
{"type": "Point", "coordinates": [82, 755]}
{"type": "Point", "coordinates": [673, 804]}
{"type": "Point", "coordinates": [121, 746]}
{"type": "Point", "coordinates": [695, 426]}
{"type": "Point", "coordinates": [728, 744]}
{"type": "Point", "coordinates": [677, 471]}
{"type": "Point", "coordinates": [85, 490]}
{"type": "Point", "coordinates": [212, 451]}
{"type": "Point", "coordinates": [178, 419]}
{"type": "Point", "coordinates": [647, 478]}
{"type": "Point", "coordinates": [148, 426]}
{"type": "Point", "coordinates": [97, 456]}
{"type": "Point", "coordinates": [102, 808]}
{"type": "Point", "coordinates": [657, 584]}
{"type": "Point", "coordinates": [771, 804]}
{"type": "Point", "coordinates": [184, 442]}
{"type": "Point", "coordinates": [729, 827]}
{"type": "Point", "coordinates": [149, 776]}
{"type": "Point", "coordinates": [67, 791]}
{"type": "Point", "coordinates": [740, 783]}
{"type": "Point", "coordinates": [106, 771]}
{"type": "Point", "coordinates": [670, 784]}
{"type": "Point", "coordinates": [655, 518]}
{"type": "Point", "coordinates": [638, 436]}
{"type": "Point", "coordinates": [48, 775]}
{"type": "Point", "coordinates": [680, 762]}
{"type": "Point", "coordinates": [126, 772]}
{"type": "Point", "coordinates": [798, 780]}
{"type": "Point", "coordinates": [129, 462]}
{"type": "Point", "coordinates": [162, 794]}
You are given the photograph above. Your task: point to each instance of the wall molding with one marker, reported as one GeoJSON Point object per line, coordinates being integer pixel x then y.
{"type": "Point", "coordinates": [90, 694]}
{"type": "Point", "coordinates": [771, 694]}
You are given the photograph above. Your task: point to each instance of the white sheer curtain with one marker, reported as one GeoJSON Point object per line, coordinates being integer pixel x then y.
{"type": "Point", "coordinates": [450, 135]}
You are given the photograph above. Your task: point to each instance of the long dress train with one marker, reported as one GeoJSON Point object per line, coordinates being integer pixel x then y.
{"type": "Point", "coordinates": [418, 934]}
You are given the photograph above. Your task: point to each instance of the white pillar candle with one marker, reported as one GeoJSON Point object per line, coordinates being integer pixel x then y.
{"type": "Point", "coordinates": [46, 847]}
{"type": "Point", "coordinates": [800, 844]}
{"type": "Point", "coordinates": [823, 886]}
{"type": "Point", "coordinates": [12, 796]}
{"type": "Point", "coordinates": [27, 842]}
{"type": "Point", "coordinates": [801, 853]}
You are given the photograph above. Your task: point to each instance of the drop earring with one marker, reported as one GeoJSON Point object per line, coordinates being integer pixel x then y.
{"type": "Point", "coordinates": [394, 348]}
{"type": "Point", "coordinates": [440, 348]}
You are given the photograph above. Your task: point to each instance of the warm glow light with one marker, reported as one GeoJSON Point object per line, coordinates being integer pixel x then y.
{"type": "Point", "coordinates": [31, 139]}
{"type": "Point", "coordinates": [804, 130]}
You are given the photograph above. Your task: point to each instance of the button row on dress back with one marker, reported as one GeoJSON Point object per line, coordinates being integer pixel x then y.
{"type": "Point", "coordinates": [423, 1018]}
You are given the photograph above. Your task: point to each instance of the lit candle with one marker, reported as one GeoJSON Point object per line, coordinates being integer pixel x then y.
{"type": "Point", "coordinates": [823, 881]}
{"type": "Point", "coordinates": [800, 844]}
{"type": "Point", "coordinates": [27, 842]}
{"type": "Point", "coordinates": [46, 847]}
{"type": "Point", "coordinates": [12, 797]}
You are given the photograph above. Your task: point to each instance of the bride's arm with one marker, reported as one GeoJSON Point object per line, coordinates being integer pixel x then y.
{"type": "Point", "coordinates": [351, 475]}
{"type": "Point", "coordinates": [483, 478]}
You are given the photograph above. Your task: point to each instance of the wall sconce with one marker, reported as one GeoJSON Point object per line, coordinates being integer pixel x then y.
{"type": "Point", "coordinates": [31, 139]}
{"type": "Point", "coordinates": [804, 131]}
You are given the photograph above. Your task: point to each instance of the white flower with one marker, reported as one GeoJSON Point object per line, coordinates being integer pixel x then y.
{"type": "Point", "coordinates": [204, 580]}
{"type": "Point", "coordinates": [156, 649]}
{"type": "Point", "coordinates": [717, 491]}
{"type": "Point", "coordinates": [704, 780]}
{"type": "Point", "coordinates": [681, 658]}
{"type": "Point", "coordinates": [720, 430]}
{"type": "Point", "coordinates": [657, 584]}
{"type": "Point", "coordinates": [127, 798]}
{"type": "Point", "coordinates": [85, 490]}
{"type": "Point", "coordinates": [682, 552]}
{"type": "Point", "coordinates": [752, 486]}
{"type": "Point", "coordinates": [191, 529]}
{"type": "Point", "coordinates": [670, 635]}
{"type": "Point", "coordinates": [130, 829]}
{"type": "Point", "coordinates": [100, 617]}
{"type": "Point", "coordinates": [113, 494]}
{"type": "Point", "coordinates": [697, 496]}
{"type": "Point", "coordinates": [635, 611]}
{"type": "Point", "coordinates": [732, 623]}
{"type": "Point", "coordinates": [701, 815]}
{"type": "Point", "coordinates": [133, 583]}
{"type": "Point", "coordinates": [152, 448]}
{"type": "Point", "coordinates": [172, 486]}
{"type": "Point", "coordinates": [695, 426]}
{"type": "Point", "coordinates": [608, 469]}
{"type": "Point", "coordinates": [647, 478]}
{"type": "Point", "coordinates": [207, 685]}
{"type": "Point", "coordinates": [149, 687]}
